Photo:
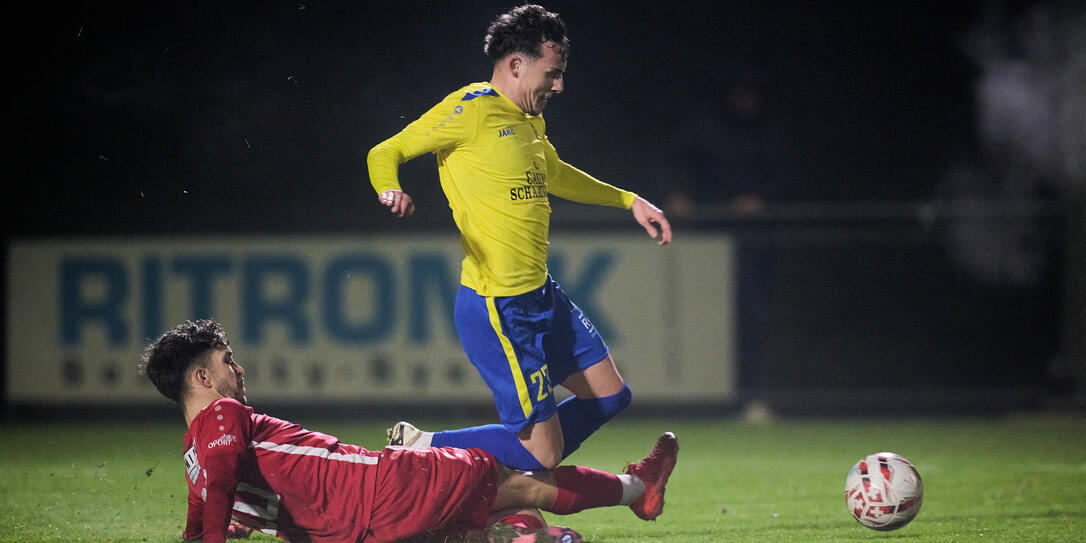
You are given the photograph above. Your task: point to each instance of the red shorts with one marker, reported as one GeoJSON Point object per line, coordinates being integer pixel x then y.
{"type": "Point", "coordinates": [431, 491]}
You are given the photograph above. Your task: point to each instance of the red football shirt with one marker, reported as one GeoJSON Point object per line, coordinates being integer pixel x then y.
{"type": "Point", "coordinates": [274, 476]}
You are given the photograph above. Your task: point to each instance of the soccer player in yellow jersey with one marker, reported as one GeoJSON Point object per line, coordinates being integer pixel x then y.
{"type": "Point", "coordinates": [498, 169]}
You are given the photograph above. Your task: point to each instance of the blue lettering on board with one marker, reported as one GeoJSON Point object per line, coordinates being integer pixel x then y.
{"type": "Point", "coordinates": [289, 293]}
{"type": "Point", "coordinates": [81, 306]}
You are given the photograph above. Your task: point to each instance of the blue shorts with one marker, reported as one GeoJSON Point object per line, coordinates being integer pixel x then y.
{"type": "Point", "coordinates": [522, 344]}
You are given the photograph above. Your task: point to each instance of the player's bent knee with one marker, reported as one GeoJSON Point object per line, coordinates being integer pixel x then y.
{"type": "Point", "coordinates": [549, 458]}
{"type": "Point", "coordinates": [552, 462]}
{"type": "Point", "coordinates": [544, 442]}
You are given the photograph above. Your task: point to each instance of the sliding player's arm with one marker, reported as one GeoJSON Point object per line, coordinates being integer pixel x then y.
{"type": "Point", "coordinates": [449, 124]}
{"type": "Point", "coordinates": [570, 183]}
{"type": "Point", "coordinates": [209, 518]}
{"type": "Point", "coordinates": [194, 524]}
{"type": "Point", "coordinates": [220, 449]}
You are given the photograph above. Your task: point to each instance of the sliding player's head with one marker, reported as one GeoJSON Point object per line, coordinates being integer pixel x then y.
{"type": "Point", "coordinates": [200, 347]}
{"type": "Point", "coordinates": [529, 46]}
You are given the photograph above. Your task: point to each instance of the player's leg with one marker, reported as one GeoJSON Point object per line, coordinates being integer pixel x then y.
{"type": "Point", "coordinates": [599, 393]}
{"type": "Point", "coordinates": [569, 489]}
{"type": "Point", "coordinates": [575, 355]}
{"type": "Point", "coordinates": [435, 496]}
{"type": "Point", "coordinates": [535, 446]}
{"type": "Point", "coordinates": [504, 338]}
{"type": "Point", "coordinates": [581, 362]}
{"type": "Point", "coordinates": [533, 338]}
{"type": "Point", "coordinates": [420, 495]}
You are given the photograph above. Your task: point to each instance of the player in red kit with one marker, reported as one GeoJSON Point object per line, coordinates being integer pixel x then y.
{"type": "Point", "coordinates": [268, 474]}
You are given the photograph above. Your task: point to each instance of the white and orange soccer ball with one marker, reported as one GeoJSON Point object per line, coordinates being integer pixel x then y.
{"type": "Point", "coordinates": [883, 491]}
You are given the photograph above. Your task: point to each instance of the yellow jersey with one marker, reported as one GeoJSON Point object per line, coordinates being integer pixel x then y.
{"type": "Point", "coordinates": [497, 168]}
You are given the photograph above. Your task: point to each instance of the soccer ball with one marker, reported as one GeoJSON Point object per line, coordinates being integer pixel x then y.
{"type": "Point", "coordinates": [883, 491]}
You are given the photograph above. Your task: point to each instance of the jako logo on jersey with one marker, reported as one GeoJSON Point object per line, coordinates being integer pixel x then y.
{"type": "Point", "coordinates": [226, 439]}
{"type": "Point", "coordinates": [506, 132]}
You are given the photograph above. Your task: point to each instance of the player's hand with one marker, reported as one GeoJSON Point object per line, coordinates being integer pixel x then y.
{"type": "Point", "coordinates": [398, 202]}
{"type": "Point", "coordinates": [649, 217]}
{"type": "Point", "coordinates": [237, 531]}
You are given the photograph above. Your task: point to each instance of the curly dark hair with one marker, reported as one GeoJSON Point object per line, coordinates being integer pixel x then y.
{"type": "Point", "coordinates": [166, 360]}
{"type": "Point", "coordinates": [523, 30]}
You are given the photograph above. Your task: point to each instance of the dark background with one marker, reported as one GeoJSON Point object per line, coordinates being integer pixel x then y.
{"type": "Point", "coordinates": [254, 117]}
{"type": "Point", "coordinates": [136, 117]}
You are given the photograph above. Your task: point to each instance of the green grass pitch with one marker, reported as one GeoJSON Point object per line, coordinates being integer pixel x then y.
{"type": "Point", "coordinates": [1014, 479]}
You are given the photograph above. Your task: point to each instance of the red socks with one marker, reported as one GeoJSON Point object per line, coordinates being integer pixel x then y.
{"type": "Point", "coordinates": [581, 488]}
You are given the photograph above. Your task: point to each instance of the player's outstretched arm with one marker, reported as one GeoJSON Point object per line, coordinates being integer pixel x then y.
{"type": "Point", "coordinates": [398, 202]}
{"type": "Point", "coordinates": [448, 125]}
{"type": "Point", "coordinates": [649, 217]}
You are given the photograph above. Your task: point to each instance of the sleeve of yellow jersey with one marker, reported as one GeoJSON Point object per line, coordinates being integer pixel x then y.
{"type": "Point", "coordinates": [570, 183]}
{"type": "Point", "coordinates": [448, 125]}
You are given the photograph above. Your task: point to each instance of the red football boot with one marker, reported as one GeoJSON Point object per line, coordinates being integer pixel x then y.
{"type": "Point", "coordinates": [654, 471]}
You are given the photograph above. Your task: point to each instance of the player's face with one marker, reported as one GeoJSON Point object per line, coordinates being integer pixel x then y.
{"type": "Point", "coordinates": [227, 376]}
{"type": "Point", "coordinates": [542, 78]}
